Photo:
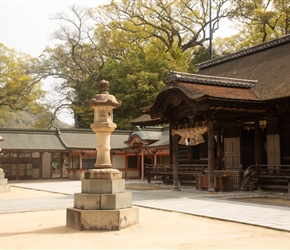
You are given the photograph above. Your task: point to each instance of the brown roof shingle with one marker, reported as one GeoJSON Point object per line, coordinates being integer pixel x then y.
{"type": "Point", "coordinates": [197, 86]}
{"type": "Point", "coordinates": [268, 63]}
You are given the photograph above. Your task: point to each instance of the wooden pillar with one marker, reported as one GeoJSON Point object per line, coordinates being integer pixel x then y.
{"type": "Point", "coordinates": [175, 164]}
{"type": "Point", "coordinates": [257, 149]}
{"type": "Point", "coordinates": [142, 164]}
{"type": "Point", "coordinates": [17, 168]}
{"type": "Point", "coordinates": [210, 135]}
{"type": "Point", "coordinates": [257, 143]}
{"type": "Point", "coordinates": [155, 158]}
{"type": "Point", "coordinates": [219, 149]}
{"type": "Point", "coordinates": [61, 165]}
{"type": "Point", "coordinates": [41, 155]}
{"type": "Point", "coordinates": [81, 161]}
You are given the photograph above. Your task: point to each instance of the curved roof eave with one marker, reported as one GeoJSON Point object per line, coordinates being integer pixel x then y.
{"type": "Point", "coordinates": [145, 136]}
{"type": "Point", "coordinates": [163, 99]}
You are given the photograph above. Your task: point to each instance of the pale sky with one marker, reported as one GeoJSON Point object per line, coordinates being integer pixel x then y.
{"type": "Point", "coordinates": [26, 24]}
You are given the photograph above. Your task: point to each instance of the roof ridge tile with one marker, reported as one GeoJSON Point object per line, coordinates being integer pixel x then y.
{"type": "Point", "coordinates": [175, 76]}
{"type": "Point", "coordinates": [254, 49]}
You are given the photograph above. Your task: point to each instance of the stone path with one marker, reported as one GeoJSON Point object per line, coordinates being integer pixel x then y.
{"type": "Point", "coordinates": [189, 200]}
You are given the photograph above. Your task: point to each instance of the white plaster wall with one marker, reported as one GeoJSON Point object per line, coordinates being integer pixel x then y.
{"type": "Point", "coordinates": [133, 174]}
{"type": "Point", "coordinates": [118, 161]}
{"type": "Point", "coordinates": [273, 150]}
{"type": "Point", "coordinates": [35, 173]}
{"type": "Point", "coordinates": [35, 155]}
{"type": "Point", "coordinates": [46, 165]}
{"type": "Point", "coordinates": [65, 173]}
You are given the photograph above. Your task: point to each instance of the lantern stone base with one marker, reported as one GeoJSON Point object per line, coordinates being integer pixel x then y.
{"type": "Point", "coordinates": [103, 203]}
{"type": "Point", "coordinates": [102, 219]}
{"type": "Point", "coordinates": [103, 186]}
{"type": "Point", "coordinates": [4, 187]}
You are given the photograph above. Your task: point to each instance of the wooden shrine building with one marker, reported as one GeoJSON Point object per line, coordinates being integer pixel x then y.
{"type": "Point", "coordinates": [69, 153]}
{"type": "Point", "coordinates": [234, 113]}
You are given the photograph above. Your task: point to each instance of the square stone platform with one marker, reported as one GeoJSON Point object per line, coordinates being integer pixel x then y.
{"type": "Point", "coordinates": [103, 203]}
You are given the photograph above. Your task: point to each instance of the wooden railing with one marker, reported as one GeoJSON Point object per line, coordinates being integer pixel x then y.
{"type": "Point", "coordinates": [267, 176]}
{"type": "Point", "coordinates": [186, 172]}
{"type": "Point", "coordinates": [235, 177]}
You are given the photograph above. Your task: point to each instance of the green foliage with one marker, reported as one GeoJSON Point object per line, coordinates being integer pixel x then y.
{"type": "Point", "coordinates": [19, 86]}
{"type": "Point", "coordinates": [134, 44]}
{"type": "Point", "coordinates": [261, 20]}
{"type": "Point", "coordinates": [76, 61]}
{"type": "Point", "coordinates": [201, 54]}
{"type": "Point", "coordinates": [228, 45]}
{"type": "Point", "coordinates": [180, 24]}
{"type": "Point", "coordinates": [136, 78]}
{"type": "Point", "coordinates": [84, 115]}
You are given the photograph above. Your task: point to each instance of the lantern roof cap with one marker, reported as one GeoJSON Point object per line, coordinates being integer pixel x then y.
{"type": "Point", "coordinates": [104, 98]}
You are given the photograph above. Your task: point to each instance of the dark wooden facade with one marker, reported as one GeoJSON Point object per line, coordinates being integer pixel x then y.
{"type": "Point", "coordinates": [244, 101]}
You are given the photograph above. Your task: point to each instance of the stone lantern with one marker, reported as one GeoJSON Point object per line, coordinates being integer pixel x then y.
{"type": "Point", "coordinates": [103, 105]}
{"type": "Point", "coordinates": [103, 203]}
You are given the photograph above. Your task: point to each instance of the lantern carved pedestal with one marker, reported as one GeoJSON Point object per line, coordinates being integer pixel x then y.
{"type": "Point", "coordinates": [103, 203]}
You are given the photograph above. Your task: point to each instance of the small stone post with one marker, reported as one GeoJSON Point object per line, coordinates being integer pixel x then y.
{"type": "Point", "coordinates": [103, 203]}
{"type": "Point", "coordinates": [4, 187]}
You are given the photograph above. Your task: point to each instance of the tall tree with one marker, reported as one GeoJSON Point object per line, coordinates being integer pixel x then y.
{"type": "Point", "coordinates": [20, 86]}
{"type": "Point", "coordinates": [136, 78]}
{"type": "Point", "coordinates": [262, 20]}
{"type": "Point", "coordinates": [135, 68]}
{"type": "Point", "coordinates": [76, 61]}
{"type": "Point", "coordinates": [230, 44]}
{"type": "Point", "coordinates": [283, 7]}
{"type": "Point", "coordinates": [183, 23]}
{"type": "Point", "coordinates": [135, 44]}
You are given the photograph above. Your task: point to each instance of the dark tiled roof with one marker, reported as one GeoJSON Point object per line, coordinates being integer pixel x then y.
{"type": "Point", "coordinates": [69, 139]}
{"type": "Point", "coordinates": [163, 140]}
{"type": "Point", "coordinates": [200, 90]}
{"type": "Point", "coordinates": [197, 86]}
{"type": "Point", "coordinates": [147, 134]}
{"type": "Point", "coordinates": [64, 139]}
{"type": "Point", "coordinates": [39, 140]}
{"type": "Point", "coordinates": [268, 63]}
{"type": "Point", "coordinates": [145, 120]}
{"type": "Point", "coordinates": [87, 139]}
{"type": "Point", "coordinates": [175, 76]}
{"type": "Point", "coordinates": [82, 139]}
{"type": "Point", "coordinates": [248, 51]}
